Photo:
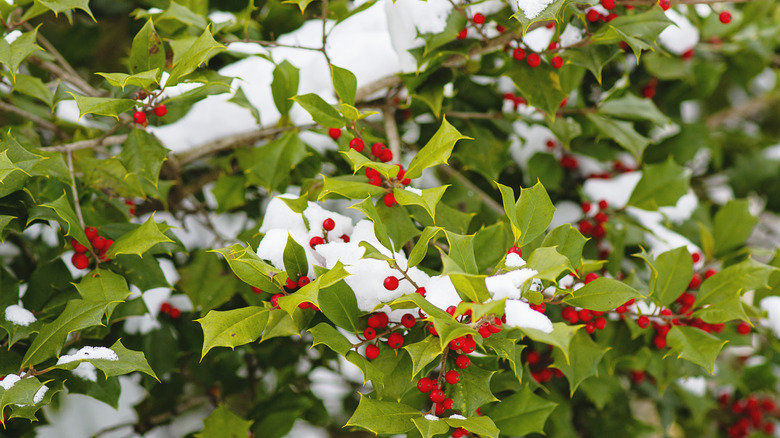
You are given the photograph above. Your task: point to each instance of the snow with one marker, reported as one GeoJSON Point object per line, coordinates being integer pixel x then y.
{"type": "Point", "coordinates": [279, 215]}
{"type": "Point", "coordinates": [431, 417]}
{"type": "Point", "coordinates": [9, 381]}
{"type": "Point", "coordinates": [88, 352]}
{"type": "Point", "coordinates": [86, 371]}
{"type": "Point", "coordinates": [694, 385]}
{"type": "Point", "coordinates": [411, 189]}
{"type": "Point", "coordinates": [38, 397]}
{"type": "Point", "coordinates": [441, 292]}
{"type": "Point", "coordinates": [520, 314]}
{"type": "Point", "coordinates": [772, 307]}
{"type": "Point", "coordinates": [508, 285]}
{"type": "Point", "coordinates": [12, 36]}
{"type": "Point", "coordinates": [457, 417]}
{"type": "Point", "coordinates": [532, 8]}
{"type": "Point", "coordinates": [566, 212]}
{"type": "Point", "coordinates": [315, 215]}
{"type": "Point", "coordinates": [366, 280]}
{"type": "Point", "coordinates": [679, 37]}
{"type": "Point", "coordinates": [513, 260]}
{"type": "Point", "coordinates": [16, 314]}
{"type": "Point", "coordinates": [659, 238]}
{"type": "Point", "coordinates": [616, 191]}
{"type": "Point", "coordinates": [683, 209]}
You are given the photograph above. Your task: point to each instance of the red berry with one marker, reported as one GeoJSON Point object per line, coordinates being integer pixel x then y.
{"type": "Point", "coordinates": [688, 54]}
{"type": "Point", "coordinates": [600, 217]}
{"type": "Point", "coordinates": [99, 242]}
{"type": "Point", "coordinates": [611, 17]}
{"type": "Point", "coordinates": [643, 321]}
{"type": "Point", "coordinates": [603, 204]}
{"type": "Point", "coordinates": [590, 327]}
{"type": "Point", "coordinates": [421, 291]}
{"type": "Point", "coordinates": [437, 396]}
{"type": "Point", "coordinates": [593, 16]}
{"type": "Point", "coordinates": [389, 199]}
{"type": "Point", "coordinates": [569, 162]}
{"type": "Point", "coordinates": [590, 277]}
{"type": "Point", "coordinates": [743, 328]}
{"type": "Point", "coordinates": [303, 305]}
{"type": "Point", "coordinates": [462, 361]}
{"type": "Point", "coordinates": [80, 261]}
{"type": "Point", "coordinates": [372, 352]}
{"type": "Point", "coordinates": [175, 313]}
{"type": "Point", "coordinates": [166, 307]}
{"type": "Point", "coordinates": [585, 227]}
{"type": "Point", "coordinates": [599, 232]}
{"type": "Point", "coordinates": [725, 17]}
{"type": "Point", "coordinates": [291, 284]}
{"type": "Point", "coordinates": [91, 233]}
{"type": "Point", "coordinates": [345, 238]}
{"type": "Point", "coordinates": [275, 300]}
{"type": "Point", "coordinates": [457, 344]}
{"type": "Point", "coordinates": [391, 283]}
{"type": "Point", "coordinates": [447, 403]}
{"type": "Point", "coordinates": [377, 148]}
{"type": "Point", "coordinates": [139, 117]}
{"type": "Point", "coordinates": [316, 240]}
{"type": "Point", "coordinates": [79, 248]}
{"type": "Point", "coordinates": [518, 54]}
{"type": "Point", "coordinates": [303, 281]}
{"type": "Point", "coordinates": [500, 28]}
{"type": "Point", "coordinates": [709, 273]}
{"type": "Point", "coordinates": [408, 320]}
{"type": "Point", "coordinates": [556, 62]}
{"type": "Point", "coordinates": [696, 257]}
{"type": "Point", "coordinates": [334, 133]}
{"type": "Point", "coordinates": [328, 224]}
{"type": "Point", "coordinates": [369, 333]}
{"type": "Point", "coordinates": [479, 18]}
{"type": "Point", "coordinates": [160, 110]}
{"type": "Point", "coordinates": [532, 357]}
{"type": "Point", "coordinates": [386, 156]}
{"type": "Point", "coordinates": [600, 323]}
{"type": "Point", "coordinates": [357, 144]}
{"type": "Point", "coordinates": [534, 60]}
{"type": "Point", "coordinates": [452, 377]}
{"type": "Point", "coordinates": [395, 340]}
{"type": "Point", "coordinates": [515, 250]}
{"type": "Point", "coordinates": [432, 330]}
{"type": "Point", "coordinates": [378, 320]}
{"type": "Point", "coordinates": [375, 181]}
{"type": "Point", "coordinates": [439, 409]}
{"type": "Point", "coordinates": [463, 34]}
{"type": "Point", "coordinates": [695, 281]}
{"type": "Point", "coordinates": [585, 315]}
{"type": "Point", "coordinates": [664, 4]}
{"type": "Point", "coordinates": [425, 384]}
{"type": "Point", "coordinates": [550, 144]}
{"type": "Point", "coordinates": [608, 4]}
{"type": "Point", "coordinates": [659, 342]}
{"type": "Point", "coordinates": [638, 376]}
{"type": "Point", "coordinates": [257, 290]}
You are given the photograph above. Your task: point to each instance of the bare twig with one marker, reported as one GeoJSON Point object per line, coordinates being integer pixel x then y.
{"type": "Point", "coordinates": [88, 144]}
{"type": "Point", "coordinates": [75, 191]}
{"type": "Point", "coordinates": [742, 111]}
{"type": "Point", "coordinates": [30, 116]}
{"type": "Point", "coordinates": [391, 132]}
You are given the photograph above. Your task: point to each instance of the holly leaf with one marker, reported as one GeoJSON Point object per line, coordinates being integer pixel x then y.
{"type": "Point", "coordinates": [423, 353]}
{"type": "Point", "coordinates": [509, 350]}
{"type": "Point", "coordinates": [602, 294]}
{"type": "Point", "coordinates": [320, 111]}
{"type": "Point", "coordinates": [732, 226]}
{"type": "Point", "coordinates": [732, 281]}
{"type": "Point", "coordinates": [231, 328]}
{"type": "Point", "coordinates": [294, 257]}
{"type": "Point", "coordinates": [482, 426]}
{"type": "Point", "coordinates": [540, 86]}
{"type": "Point", "coordinates": [549, 263]}
{"type": "Point", "coordinates": [345, 84]}
{"type": "Point", "coordinates": [675, 270]}
{"type": "Point", "coordinates": [534, 212]}
{"type": "Point", "coordinates": [560, 337]}
{"type": "Point", "coordinates": [428, 199]}
{"type": "Point", "coordinates": [473, 390]}
{"type": "Point", "coordinates": [584, 358]}
{"type": "Point", "coordinates": [67, 219]}
{"type": "Point", "coordinates": [568, 241]}
{"type": "Point", "coordinates": [147, 52]}
{"type": "Point", "coordinates": [521, 413]}
{"type": "Point", "coordinates": [284, 86]}
{"type": "Point", "coordinates": [695, 345]}
{"type": "Point", "coordinates": [143, 155]}
{"type": "Point", "coordinates": [349, 187]}
{"type": "Point", "coordinates": [139, 240]}
{"type": "Point", "coordinates": [224, 423]}
{"type": "Point", "coordinates": [420, 248]}
{"type": "Point", "coordinates": [593, 57]}
{"type": "Point", "coordinates": [199, 52]}
{"type": "Point", "coordinates": [385, 417]}
{"type": "Point", "coordinates": [276, 159]}
{"type": "Point", "coordinates": [623, 133]}
{"type": "Point", "coordinates": [325, 334]}
{"type": "Point", "coordinates": [380, 229]}
{"type": "Point", "coordinates": [632, 107]}
{"type": "Point", "coordinates": [144, 80]}
{"type": "Point", "coordinates": [429, 428]}
{"type": "Point", "coordinates": [661, 184]}
{"type": "Point", "coordinates": [462, 252]}
{"type": "Point", "coordinates": [12, 55]}
{"type": "Point", "coordinates": [436, 151]}
{"type": "Point", "coordinates": [102, 106]}
{"type": "Point", "coordinates": [128, 361]}
{"type": "Point", "coordinates": [525, 13]}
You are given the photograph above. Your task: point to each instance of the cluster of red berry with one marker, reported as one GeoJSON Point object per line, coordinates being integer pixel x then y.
{"type": "Point", "coordinates": [593, 319]}
{"type": "Point", "coordinates": [139, 117]}
{"type": "Point", "coordinates": [540, 366]}
{"type": "Point", "coordinates": [749, 413]}
{"type": "Point", "coordinates": [380, 321]}
{"type": "Point", "coordinates": [327, 226]}
{"type": "Point", "coordinates": [168, 309]}
{"type": "Point", "coordinates": [594, 228]}
{"type": "Point", "coordinates": [435, 388]}
{"type": "Point", "coordinates": [515, 99]}
{"type": "Point", "coordinates": [99, 243]}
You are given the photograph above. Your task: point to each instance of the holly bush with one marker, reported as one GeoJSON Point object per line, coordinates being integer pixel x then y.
{"type": "Point", "coordinates": [552, 217]}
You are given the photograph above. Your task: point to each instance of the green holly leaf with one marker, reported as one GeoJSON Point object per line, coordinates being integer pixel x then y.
{"type": "Point", "coordinates": [275, 160]}
{"type": "Point", "coordinates": [183, 14]}
{"type": "Point", "coordinates": [224, 423]}
{"type": "Point", "coordinates": [450, 329]}
{"type": "Point", "coordinates": [33, 87]}
{"type": "Point", "coordinates": [64, 214]}
{"type": "Point", "coordinates": [462, 252]}
{"type": "Point", "coordinates": [310, 294]}
{"type": "Point", "coordinates": [423, 353]}
{"type": "Point", "coordinates": [568, 241]}
{"type": "Point", "coordinates": [661, 184]}
{"type": "Point", "coordinates": [380, 229]}
{"type": "Point", "coordinates": [734, 280]}
{"type": "Point", "coordinates": [345, 84]}
{"type": "Point", "coordinates": [143, 155]}
{"type": "Point", "coordinates": [325, 334]}
{"type": "Point", "coordinates": [320, 111]}
{"type": "Point", "coordinates": [199, 52]}
{"type": "Point", "coordinates": [385, 417]}
{"type": "Point", "coordinates": [548, 13]}
{"type": "Point", "coordinates": [638, 30]}
{"type": "Point", "coordinates": [103, 285]}
{"type": "Point", "coordinates": [66, 6]}
{"type": "Point", "coordinates": [427, 200]}
{"type": "Point", "coordinates": [128, 361]}
{"type": "Point", "coordinates": [284, 86]}
{"type": "Point", "coordinates": [540, 86]}
{"type": "Point", "coordinates": [623, 133]}
{"type": "Point", "coordinates": [549, 263]}
{"type": "Point", "coordinates": [560, 337]}
{"type": "Point", "coordinates": [732, 226]}
{"type": "Point", "coordinates": [584, 358]}
{"type": "Point", "coordinates": [338, 304]}
{"type": "Point", "coordinates": [695, 345]}
{"type": "Point", "coordinates": [302, 4]}
{"type": "Point", "coordinates": [78, 315]}
{"type": "Point", "coordinates": [102, 106]}
{"type": "Point", "coordinates": [7, 167]}
{"type": "Point", "coordinates": [593, 57]}
{"type": "Point", "coordinates": [360, 161]}
{"type": "Point", "coordinates": [29, 411]}
{"type": "Point", "coordinates": [282, 324]}
{"type": "Point", "coordinates": [471, 287]}
{"type": "Point", "coordinates": [430, 428]}
{"type": "Point", "coordinates": [420, 248]}
{"type": "Point", "coordinates": [369, 371]}
{"type": "Point", "coordinates": [436, 151]}
{"type": "Point", "coordinates": [139, 240]}
{"type": "Point", "coordinates": [18, 332]}
{"type": "Point", "coordinates": [232, 328]}
{"type": "Point", "coordinates": [727, 309]}
{"type": "Point", "coordinates": [147, 80]}
{"type": "Point", "coordinates": [22, 393]}
{"type": "Point", "coordinates": [509, 350]}
{"type": "Point", "coordinates": [521, 413]}
{"type": "Point", "coordinates": [350, 187]}
{"type": "Point", "coordinates": [147, 52]}
{"type": "Point", "coordinates": [675, 269]}
{"type": "Point", "coordinates": [602, 294]}
{"type": "Point", "coordinates": [482, 426]}
{"type": "Point", "coordinates": [12, 55]}
{"type": "Point", "coordinates": [632, 107]}
{"type": "Point", "coordinates": [473, 390]}
{"type": "Point", "coordinates": [250, 269]}
{"type": "Point", "coordinates": [295, 262]}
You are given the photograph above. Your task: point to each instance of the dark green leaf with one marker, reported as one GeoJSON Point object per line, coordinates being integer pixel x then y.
{"type": "Point", "coordinates": [602, 294]}
{"type": "Point", "coordinates": [232, 328]}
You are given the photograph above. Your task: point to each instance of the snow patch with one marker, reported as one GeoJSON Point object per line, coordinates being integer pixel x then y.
{"type": "Point", "coordinates": [616, 191]}
{"type": "Point", "coordinates": [513, 260]}
{"type": "Point", "coordinates": [88, 352]}
{"type": "Point", "coordinates": [38, 397]}
{"type": "Point", "coordinates": [532, 8]}
{"type": "Point", "coordinates": [86, 371]}
{"type": "Point", "coordinates": [417, 192]}
{"type": "Point", "coordinates": [9, 381]}
{"type": "Point", "coordinates": [520, 314]}
{"type": "Point", "coordinates": [772, 307]}
{"type": "Point", "coordinates": [508, 285]}
{"type": "Point", "coordinates": [679, 37]}
{"type": "Point", "coordinates": [431, 417]}
{"type": "Point", "coordinates": [18, 315]}
{"type": "Point", "coordinates": [457, 417]}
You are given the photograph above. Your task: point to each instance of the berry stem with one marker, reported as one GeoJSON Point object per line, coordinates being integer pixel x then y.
{"type": "Point", "coordinates": [440, 378]}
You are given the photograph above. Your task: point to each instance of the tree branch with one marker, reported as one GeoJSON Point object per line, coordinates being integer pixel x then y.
{"type": "Point", "coordinates": [30, 116]}
{"type": "Point", "coordinates": [391, 132]}
{"type": "Point", "coordinates": [88, 144]}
